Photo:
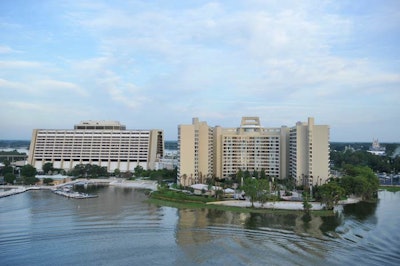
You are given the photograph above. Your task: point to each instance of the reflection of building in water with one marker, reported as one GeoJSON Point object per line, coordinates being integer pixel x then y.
{"type": "Point", "coordinates": [191, 221]}
{"type": "Point", "coordinates": [311, 227]}
{"type": "Point", "coordinates": [115, 203]}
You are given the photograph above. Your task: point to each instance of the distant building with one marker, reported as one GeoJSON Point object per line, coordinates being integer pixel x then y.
{"type": "Point", "coordinates": [300, 152]}
{"type": "Point", "coordinates": [376, 149]}
{"type": "Point", "coordinates": [103, 143]}
{"type": "Point", "coordinates": [171, 145]}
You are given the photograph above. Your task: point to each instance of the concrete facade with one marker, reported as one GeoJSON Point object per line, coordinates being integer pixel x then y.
{"type": "Point", "coordinates": [297, 152]}
{"type": "Point", "coordinates": [309, 153]}
{"type": "Point", "coordinates": [103, 143]}
{"type": "Point", "coordinates": [195, 152]}
{"type": "Point", "coordinates": [248, 147]}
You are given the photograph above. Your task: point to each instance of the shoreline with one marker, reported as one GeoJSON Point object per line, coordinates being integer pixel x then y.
{"type": "Point", "coordinates": [152, 185]}
{"type": "Point", "coordinates": [278, 205]}
{"type": "Point", "coordinates": [135, 184]}
{"type": "Point", "coordinates": [282, 205]}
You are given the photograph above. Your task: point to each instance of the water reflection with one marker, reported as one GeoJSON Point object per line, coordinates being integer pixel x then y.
{"type": "Point", "coordinates": [361, 211]}
{"type": "Point", "coordinates": [121, 228]}
{"type": "Point", "coordinates": [294, 222]}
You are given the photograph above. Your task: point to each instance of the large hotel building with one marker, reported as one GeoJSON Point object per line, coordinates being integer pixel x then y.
{"type": "Point", "coordinates": [300, 152]}
{"type": "Point", "coordinates": [104, 143]}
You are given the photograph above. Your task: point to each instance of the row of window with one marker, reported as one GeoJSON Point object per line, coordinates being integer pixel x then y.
{"type": "Point", "coordinates": [92, 160]}
{"type": "Point", "coordinates": [77, 158]}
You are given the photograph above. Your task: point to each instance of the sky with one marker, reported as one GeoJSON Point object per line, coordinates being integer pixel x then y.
{"type": "Point", "coordinates": [158, 64]}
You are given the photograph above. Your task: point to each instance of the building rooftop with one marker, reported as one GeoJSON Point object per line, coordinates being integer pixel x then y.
{"type": "Point", "coordinates": [100, 125]}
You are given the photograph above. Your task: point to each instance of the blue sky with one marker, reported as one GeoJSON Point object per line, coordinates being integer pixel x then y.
{"type": "Point", "coordinates": [157, 64]}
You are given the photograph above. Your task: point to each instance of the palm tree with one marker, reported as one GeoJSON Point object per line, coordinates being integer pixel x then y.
{"type": "Point", "coordinates": [184, 180]}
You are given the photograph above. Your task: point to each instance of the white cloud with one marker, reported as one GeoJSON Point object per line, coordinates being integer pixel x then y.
{"type": "Point", "coordinates": [10, 85]}
{"type": "Point", "coordinates": [7, 50]}
{"type": "Point", "coordinates": [281, 60]}
{"type": "Point", "coordinates": [15, 64]}
{"type": "Point", "coordinates": [51, 86]}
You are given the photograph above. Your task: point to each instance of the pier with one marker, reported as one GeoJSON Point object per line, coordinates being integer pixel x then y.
{"type": "Point", "coordinates": [16, 190]}
{"type": "Point", "coordinates": [63, 191]}
{"type": "Point", "coordinates": [73, 194]}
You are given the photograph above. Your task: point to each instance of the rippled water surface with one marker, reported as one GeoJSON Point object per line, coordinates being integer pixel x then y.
{"type": "Point", "coordinates": [120, 228]}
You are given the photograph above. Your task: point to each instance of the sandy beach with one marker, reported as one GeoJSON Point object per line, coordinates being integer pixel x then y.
{"type": "Point", "coordinates": [145, 184]}
{"type": "Point", "coordinates": [279, 205]}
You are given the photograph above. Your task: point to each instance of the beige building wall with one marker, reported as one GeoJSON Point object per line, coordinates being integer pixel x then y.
{"type": "Point", "coordinates": [320, 158]}
{"type": "Point", "coordinates": [186, 154]}
{"type": "Point", "coordinates": [300, 152]}
{"type": "Point", "coordinates": [195, 148]}
{"type": "Point", "coordinates": [248, 147]}
{"type": "Point", "coordinates": [309, 153]}
{"type": "Point", "coordinates": [284, 152]}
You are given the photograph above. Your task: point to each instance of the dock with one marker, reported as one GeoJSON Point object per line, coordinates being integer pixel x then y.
{"type": "Point", "coordinates": [73, 194]}
{"type": "Point", "coordinates": [14, 190]}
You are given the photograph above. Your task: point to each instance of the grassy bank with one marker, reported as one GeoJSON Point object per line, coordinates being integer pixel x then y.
{"type": "Point", "coordinates": [180, 200]}
{"type": "Point", "coordinates": [390, 188]}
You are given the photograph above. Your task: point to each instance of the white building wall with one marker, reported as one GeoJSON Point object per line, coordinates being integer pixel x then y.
{"type": "Point", "coordinates": [107, 148]}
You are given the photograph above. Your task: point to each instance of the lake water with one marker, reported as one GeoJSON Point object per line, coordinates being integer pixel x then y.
{"type": "Point", "coordinates": [120, 228]}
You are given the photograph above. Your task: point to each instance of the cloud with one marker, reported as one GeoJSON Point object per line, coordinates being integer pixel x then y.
{"type": "Point", "coordinates": [218, 60]}
{"type": "Point", "coordinates": [7, 50]}
{"type": "Point", "coordinates": [26, 106]}
{"type": "Point", "coordinates": [42, 87]}
{"type": "Point", "coordinates": [15, 64]}
{"type": "Point", "coordinates": [10, 85]}
{"type": "Point", "coordinates": [50, 86]}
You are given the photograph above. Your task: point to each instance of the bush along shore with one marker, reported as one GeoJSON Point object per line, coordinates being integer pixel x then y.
{"type": "Point", "coordinates": [180, 199]}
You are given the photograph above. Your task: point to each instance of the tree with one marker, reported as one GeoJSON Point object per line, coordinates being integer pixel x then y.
{"type": "Point", "coordinates": [87, 168]}
{"type": "Point", "coordinates": [127, 174]}
{"type": "Point", "coordinates": [9, 178]}
{"type": "Point", "coordinates": [138, 171]}
{"type": "Point", "coordinates": [7, 168]}
{"type": "Point", "coordinates": [210, 183]}
{"type": "Point", "coordinates": [360, 181]}
{"type": "Point", "coordinates": [96, 171]}
{"type": "Point", "coordinates": [263, 190]}
{"type": "Point", "coordinates": [78, 171]}
{"type": "Point", "coordinates": [47, 181]}
{"type": "Point", "coordinates": [239, 176]}
{"type": "Point", "coordinates": [28, 171]}
{"type": "Point", "coordinates": [219, 193]}
{"type": "Point", "coordinates": [47, 168]}
{"type": "Point", "coordinates": [255, 174]}
{"type": "Point", "coordinates": [30, 180]}
{"type": "Point", "coordinates": [330, 194]}
{"type": "Point", "coordinates": [250, 187]}
{"type": "Point", "coordinates": [246, 173]}
{"type": "Point", "coordinates": [117, 172]}
{"type": "Point", "coordinates": [306, 203]}
{"type": "Point", "coordinates": [262, 174]}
